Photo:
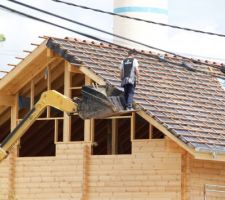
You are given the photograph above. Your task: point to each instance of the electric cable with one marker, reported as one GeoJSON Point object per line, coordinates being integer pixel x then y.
{"type": "Point", "coordinates": [139, 19]}
{"type": "Point", "coordinates": [102, 31]}
{"type": "Point", "coordinates": [86, 35]}
{"type": "Point", "coordinates": [91, 27]}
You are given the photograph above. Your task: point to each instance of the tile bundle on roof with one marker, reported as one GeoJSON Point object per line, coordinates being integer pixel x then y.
{"type": "Point", "coordinates": [189, 103]}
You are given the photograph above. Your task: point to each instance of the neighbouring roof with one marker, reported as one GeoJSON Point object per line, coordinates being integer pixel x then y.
{"type": "Point", "coordinates": [181, 94]}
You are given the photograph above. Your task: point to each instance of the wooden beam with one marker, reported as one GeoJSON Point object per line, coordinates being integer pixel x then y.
{"type": "Point", "coordinates": [92, 130]}
{"type": "Point", "coordinates": [5, 114]}
{"type": "Point", "coordinates": [6, 93]}
{"type": "Point", "coordinates": [7, 100]}
{"type": "Point", "coordinates": [150, 131]}
{"type": "Point", "coordinates": [20, 67]}
{"type": "Point", "coordinates": [67, 92]}
{"type": "Point", "coordinates": [31, 94]}
{"type": "Point", "coordinates": [87, 122]}
{"type": "Point", "coordinates": [14, 113]}
{"type": "Point", "coordinates": [132, 126]}
{"type": "Point", "coordinates": [119, 117]}
{"type": "Point", "coordinates": [209, 156]}
{"type": "Point", "coordinates": [49, 79]}
{"type": "Point", "coordinates": [92, 75]}
{"type": "Point", "coordinates": [30, 71]}
{"type": "Point", "coordinates": [74, 69]}
{"type": "Point", "coordinates": [14, 150]}
{"type": "Point", "coordinates": [50, 53]}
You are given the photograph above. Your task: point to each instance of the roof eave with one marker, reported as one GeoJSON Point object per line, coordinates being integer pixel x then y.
{"type": "Point", "coordinates": [20, 68]}
{"type": "Point", "coordinates": [212, 156]}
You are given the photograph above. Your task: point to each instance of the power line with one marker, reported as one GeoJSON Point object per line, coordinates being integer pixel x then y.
{"type": "Point", "coordinates": [59, 26]}
{"type": "Point", "coordinates": [142, 20]}
{"type": "Point", "coordinates": [90, 36]}
{"type": "Point", "coordinates": [96, 29]}
{"type": "Point", "coordinates": [102, 31]}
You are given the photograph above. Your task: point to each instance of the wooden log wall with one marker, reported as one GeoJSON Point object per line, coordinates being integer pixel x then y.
{"type": "Point", "coordinates": [157, 169]}
{"type": "Point", "coordinates": [206, 172]}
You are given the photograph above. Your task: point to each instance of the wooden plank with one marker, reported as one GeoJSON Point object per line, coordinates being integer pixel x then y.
{"type": "Point", "coordinates": [119, 117]}
{"type": "Point", "coordinates": [74, 69]}
{"type": "Point", "coordinates": [21, 66]}
{"type": "Point", "coordinates": [92, 75]}
{"type": "Point", "coordinates": [87, 130]}
{"type": "Point", "coordinates": [150, 131]}
{"type": "Point", "coordinates": [31, 71]}
{"type": "Point", "coordinates": [6, 100]}
{"type": "Point", "coordinates": [209, 156]}
{"type": "Point", "coordinates": [50, 53]}
{"type": "Point", "coordinates": [132, 128]}
{"type": "Point", "coordinates": [185, 176]}
{"type": "Point", "coordinates": [87, 122]}
{"type": "Point", "coordinates": [14, 112]}
{"type": "Point", "coordinates": [76, 88]}
{"type": "Point", "coordinates": [49, 80]}
{"type": "Point", "coordinates": [31, 93]}
{"type": "Point", "coordinates": [67, 92]}
{"type": "Point", "coordinates": [5, 114]}
{"type": "Point", "coordinates": [14, 150]}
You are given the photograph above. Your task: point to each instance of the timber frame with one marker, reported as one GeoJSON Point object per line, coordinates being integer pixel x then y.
{"type": "Point", "coordinates": [44, 60]}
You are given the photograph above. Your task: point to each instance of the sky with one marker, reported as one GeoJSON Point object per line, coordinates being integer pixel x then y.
{"type": "Point", "coordinates": [20, 32]}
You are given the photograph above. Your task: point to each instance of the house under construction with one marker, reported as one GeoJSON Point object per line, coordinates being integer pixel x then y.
{"type": "Point", "coordinates": [171, 148]}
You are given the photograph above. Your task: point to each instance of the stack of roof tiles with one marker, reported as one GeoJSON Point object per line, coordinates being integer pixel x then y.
{"type": "Point", "coordinates": [184, 95]}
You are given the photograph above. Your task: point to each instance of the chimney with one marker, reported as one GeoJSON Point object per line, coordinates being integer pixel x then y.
{"type": "Point", "coordinates": [150, 34]}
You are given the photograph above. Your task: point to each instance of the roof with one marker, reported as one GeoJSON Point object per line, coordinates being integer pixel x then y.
{"type": "Point", "coordinates": [183, 95]}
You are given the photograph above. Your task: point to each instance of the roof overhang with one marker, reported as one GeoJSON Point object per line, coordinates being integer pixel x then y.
{"type": "Point", "coordinates": [203, 155]}
{"type": "Point", "coordinates": [27, 69]}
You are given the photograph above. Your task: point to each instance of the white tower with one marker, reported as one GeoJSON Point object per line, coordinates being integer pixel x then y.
{"type": "Point", "coordinates": [152, 10]}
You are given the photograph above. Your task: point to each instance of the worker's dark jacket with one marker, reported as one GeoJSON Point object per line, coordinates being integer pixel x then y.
{"type": "Point", "coordinates": [128, 72]}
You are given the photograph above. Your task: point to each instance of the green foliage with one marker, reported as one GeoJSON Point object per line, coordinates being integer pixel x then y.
{"type": "Point", "coordinates": [2, 38]}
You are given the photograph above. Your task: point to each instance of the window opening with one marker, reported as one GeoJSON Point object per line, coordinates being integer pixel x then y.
{"type": "Point", "coordinates": [77, 128]}
{"type": "Point", "coordinates": [142, 128]}
{"type": "Point", "coordinates": [105, 142]}
{"type": "Point", "coordinates": [38, 140]}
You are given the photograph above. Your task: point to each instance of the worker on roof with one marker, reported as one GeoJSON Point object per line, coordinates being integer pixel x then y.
{"type": "Point", "coordinates": [129, 74]}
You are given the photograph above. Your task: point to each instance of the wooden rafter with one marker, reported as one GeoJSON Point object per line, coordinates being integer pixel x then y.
{"type": "Point", "coordinates": [21, 66]}
{"type": "Point", "coordinates": [6, 100]}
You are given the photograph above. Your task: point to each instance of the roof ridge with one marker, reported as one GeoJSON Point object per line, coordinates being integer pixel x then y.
{"type": "Point", "coordinates": [140, 51]}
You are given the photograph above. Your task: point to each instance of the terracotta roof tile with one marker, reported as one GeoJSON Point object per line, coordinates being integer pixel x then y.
{"type": "Point", "coordinates": [190, 104]}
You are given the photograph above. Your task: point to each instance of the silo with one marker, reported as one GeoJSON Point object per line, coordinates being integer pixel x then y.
{"type": "Point", "coordinates": [153, 10]}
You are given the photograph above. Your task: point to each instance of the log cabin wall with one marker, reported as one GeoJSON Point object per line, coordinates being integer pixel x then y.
{"type": "Point", "coordinates": [141, 164]}
{"type": "Point", "coordinates": [203, 172]}
{"type": "Point", "coordinates": [150, 172]}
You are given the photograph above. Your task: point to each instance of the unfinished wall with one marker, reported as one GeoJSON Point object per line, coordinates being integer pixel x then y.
{"type": "Point", "coordinates": [51, 178]}
{"type": "Point", "coordinates": [151, 172]}
{"type": "Point", "coordinates": [157, 169]}
{"type": "Point", "coordinates": [4, 179]}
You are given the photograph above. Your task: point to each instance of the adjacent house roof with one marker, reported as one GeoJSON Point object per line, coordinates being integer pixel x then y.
{"type": "Point", "coordinates": [183, 95]}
